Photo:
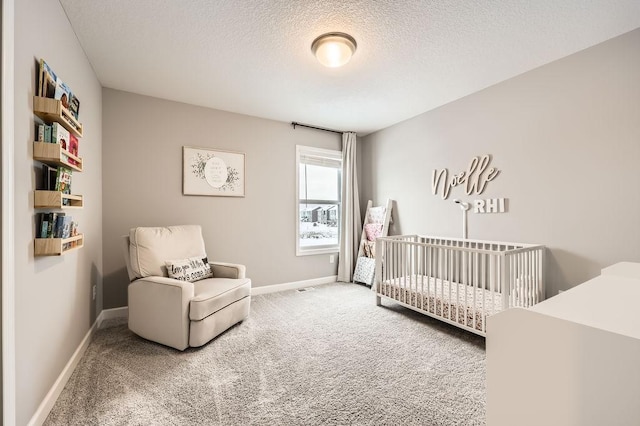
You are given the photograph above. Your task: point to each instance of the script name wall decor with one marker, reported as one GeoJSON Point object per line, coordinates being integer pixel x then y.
{"type": "Point", "coordinates": [475, 178]}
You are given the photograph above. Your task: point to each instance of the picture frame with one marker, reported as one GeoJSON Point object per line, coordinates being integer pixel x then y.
{"type": "Point", "coordinates": [212, 172]}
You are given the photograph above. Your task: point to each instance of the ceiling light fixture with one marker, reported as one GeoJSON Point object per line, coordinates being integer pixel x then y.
{"type": "Point", "coordinates": [334, 49]}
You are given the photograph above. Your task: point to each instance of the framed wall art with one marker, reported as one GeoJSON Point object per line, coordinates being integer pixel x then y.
{"type": "Point", "coordinates": [212, 172]}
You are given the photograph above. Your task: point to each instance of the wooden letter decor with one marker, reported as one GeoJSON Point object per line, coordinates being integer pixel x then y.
{"type": "Point", "coordinates": [475, 178]}
{"type": "Point", "coordinates": [490, 205]}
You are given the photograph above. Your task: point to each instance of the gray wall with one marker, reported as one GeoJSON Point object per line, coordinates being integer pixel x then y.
{"type": "Point", "coordinates": [567, 139]}
{"type": "Point", "coordinates": [53, 303]}
{"type": "Point", "coordinates": [142, 158]}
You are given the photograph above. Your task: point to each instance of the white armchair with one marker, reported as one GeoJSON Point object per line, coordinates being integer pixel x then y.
{"type": "Point", "coordinates": [180, 313]}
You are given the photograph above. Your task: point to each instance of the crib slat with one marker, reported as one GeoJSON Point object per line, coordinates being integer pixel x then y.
{"type": "Point", "coordinates": [400, 270]}
{"type": "Point", "coordinates": [532, 277]}
{"type": "Point", "coordinates": [539, 278]}
{"type": "Point", "coordinates": [494, 280]}
{"type": "Point", "coordinates": [530, 288]}
{"type": "Point", "coordinates": [433, 278]}
{"type": "Point", "coordinates": [483, 265]}
{"type": "Point", "coordinates": [513, 283]}
{"type": "Point", "coordinates": [403, 272]}
{"type": "Point", "coordinates": [475, 284]}
{"type": "Point", "coordinates": [439, 277]}
{"type": "Point", "coordinates": [427, 273]}
{"type": "Point", "coordinates": [504, 280]}
{"type": "Point", "coordinates": [519, 266]}
{"type": "Point", "coordinates": [465, 256]}
{"type": "Point", "coordinates": [458, 282]}
{"type": "Point", "coordinates": [449, 280]}
{"type": "Point", "coordinates": [392, 259]}
{"type": "Point", "coordinates": [422, 274]}
{"type": "Point", "coordinates": [416, 271]}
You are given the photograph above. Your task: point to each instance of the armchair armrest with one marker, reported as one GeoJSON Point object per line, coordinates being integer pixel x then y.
{"type": "Point", "coordinates": [159, 310]}
{"type": "Point", "coordinates": [228, 270]}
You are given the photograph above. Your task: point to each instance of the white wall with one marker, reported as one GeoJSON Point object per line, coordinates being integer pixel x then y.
{"type": "Point", "coordinates": [142, 163]}
{"type": "Point", "coordinates": [54, 307]}
{"type": "Point", "coordinates": [566, 137]}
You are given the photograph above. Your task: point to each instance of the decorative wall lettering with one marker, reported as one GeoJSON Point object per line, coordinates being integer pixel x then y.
{"type": "Point", "coordinates": [490, 205]}
{"type": "Point", "coordinates": [475, 178]}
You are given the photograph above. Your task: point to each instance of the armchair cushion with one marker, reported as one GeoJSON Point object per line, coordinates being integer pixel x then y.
{"type": "Point", "coordinates": [151, 247]}
{"type": "Point", "coordinates": [214, 294]}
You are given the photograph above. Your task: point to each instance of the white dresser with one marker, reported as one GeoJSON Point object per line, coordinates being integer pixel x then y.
{"type": "Point", "coordinates": [573, 359]}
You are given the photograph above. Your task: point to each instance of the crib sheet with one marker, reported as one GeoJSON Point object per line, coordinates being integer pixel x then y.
{"type": "Point", "coordinates": [453, 301]}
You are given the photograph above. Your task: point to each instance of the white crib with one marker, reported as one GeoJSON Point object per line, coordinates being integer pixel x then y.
{"type": "Point", "coordinates": [458, 281]}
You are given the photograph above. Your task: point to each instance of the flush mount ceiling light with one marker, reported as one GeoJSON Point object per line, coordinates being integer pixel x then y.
{"type": "Point", "coordinates": [334, 49]}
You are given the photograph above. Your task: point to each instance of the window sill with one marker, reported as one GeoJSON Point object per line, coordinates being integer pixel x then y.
{"type": "Point", "coordinates": [312, 252]}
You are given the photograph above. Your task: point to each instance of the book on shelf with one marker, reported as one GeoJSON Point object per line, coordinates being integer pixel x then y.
{"type": "Point", "coordinates": [51, 223]}
{"type": "Point", "coordinates": [51, 86]}
{"type": "Point", "coordinates": [58, 225]}
{"type": "Point", "coordinates": [66, 226]}
{"type": "Point", "coordinates": [63, 93]}
{"type": "Point", "coordinates": [43, 226]}
{"type": "Point", "coordinates": [47, 81]}
{"type": "Point", "coordinates": [63, 226]}
{"type": "Point", "coordinates": [60, 135]}
{"type": "Point", "coordinates": [74, 106]}
{"type": "Point", "coordinates": [48, 129]}
{"type": "Point", "coordinates": [49, 176]}
{"type": "Point", "coordinates": [63, 182]}
{"type": "Point", "coordinates": [73, 148]}
{"type": "Point", "coordinates": [44, 133]}
{"type": "Point", "coordinates": [73, 231]}
{"type": "Point", "coordinates": [53, 219]}
{"type": "Point", "coordinates": [55, 225]}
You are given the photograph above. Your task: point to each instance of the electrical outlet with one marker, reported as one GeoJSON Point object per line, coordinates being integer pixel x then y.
{"type": "Point", "coordinates": [94, 292]}
{"type": "Point", "coordinates": [332, 258]}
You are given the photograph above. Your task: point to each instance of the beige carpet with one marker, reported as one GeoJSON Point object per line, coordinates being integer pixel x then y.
{"type": "Point", "coordinates": [327, 356]}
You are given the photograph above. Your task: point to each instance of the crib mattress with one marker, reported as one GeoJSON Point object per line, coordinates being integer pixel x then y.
{"type": "Point", "coordinates": [445, 299]}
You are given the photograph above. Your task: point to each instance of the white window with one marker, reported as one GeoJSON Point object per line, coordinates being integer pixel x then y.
{"type": "Point", "coordinates": [319, 173]}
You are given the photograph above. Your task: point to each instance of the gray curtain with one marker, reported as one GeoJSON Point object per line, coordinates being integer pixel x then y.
{"type": "Point", "coordinates": [350, 221]}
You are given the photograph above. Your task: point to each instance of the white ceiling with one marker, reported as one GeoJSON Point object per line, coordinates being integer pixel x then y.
{"type": "Point", "coordinates": [253, 57]}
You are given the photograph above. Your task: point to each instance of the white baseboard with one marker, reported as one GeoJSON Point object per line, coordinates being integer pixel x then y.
{"type": "Point", "coordinates": [108, 314]}
{"type": "Point", "coordinates": [293, 285]}
{"type": "Point", "coordinates": [50, 399]}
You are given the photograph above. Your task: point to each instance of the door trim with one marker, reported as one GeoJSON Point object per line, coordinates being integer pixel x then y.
{"type": "Point", "coordinates": [8, 245]}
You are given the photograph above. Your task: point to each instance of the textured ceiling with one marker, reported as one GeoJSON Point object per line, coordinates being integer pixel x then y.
{"type": "Point", "coordinates": [253, 57]}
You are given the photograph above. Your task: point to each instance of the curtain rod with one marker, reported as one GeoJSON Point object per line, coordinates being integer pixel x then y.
{"type": "Point", "coordinates": [294, 124]}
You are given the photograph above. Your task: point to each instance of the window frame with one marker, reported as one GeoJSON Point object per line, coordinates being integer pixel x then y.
{"type": "Point", "coordinates": [326, 153]}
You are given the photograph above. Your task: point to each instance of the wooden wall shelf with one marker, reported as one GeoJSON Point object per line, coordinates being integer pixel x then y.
{"type": "Point", "coordinates": [54, 200]}
{"type": "Point", "coordinates": [56, 246]}
{"type": "Point", "coordinates": [54, 155]}
{"type": "Point", "coordinates": [51, 110]}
